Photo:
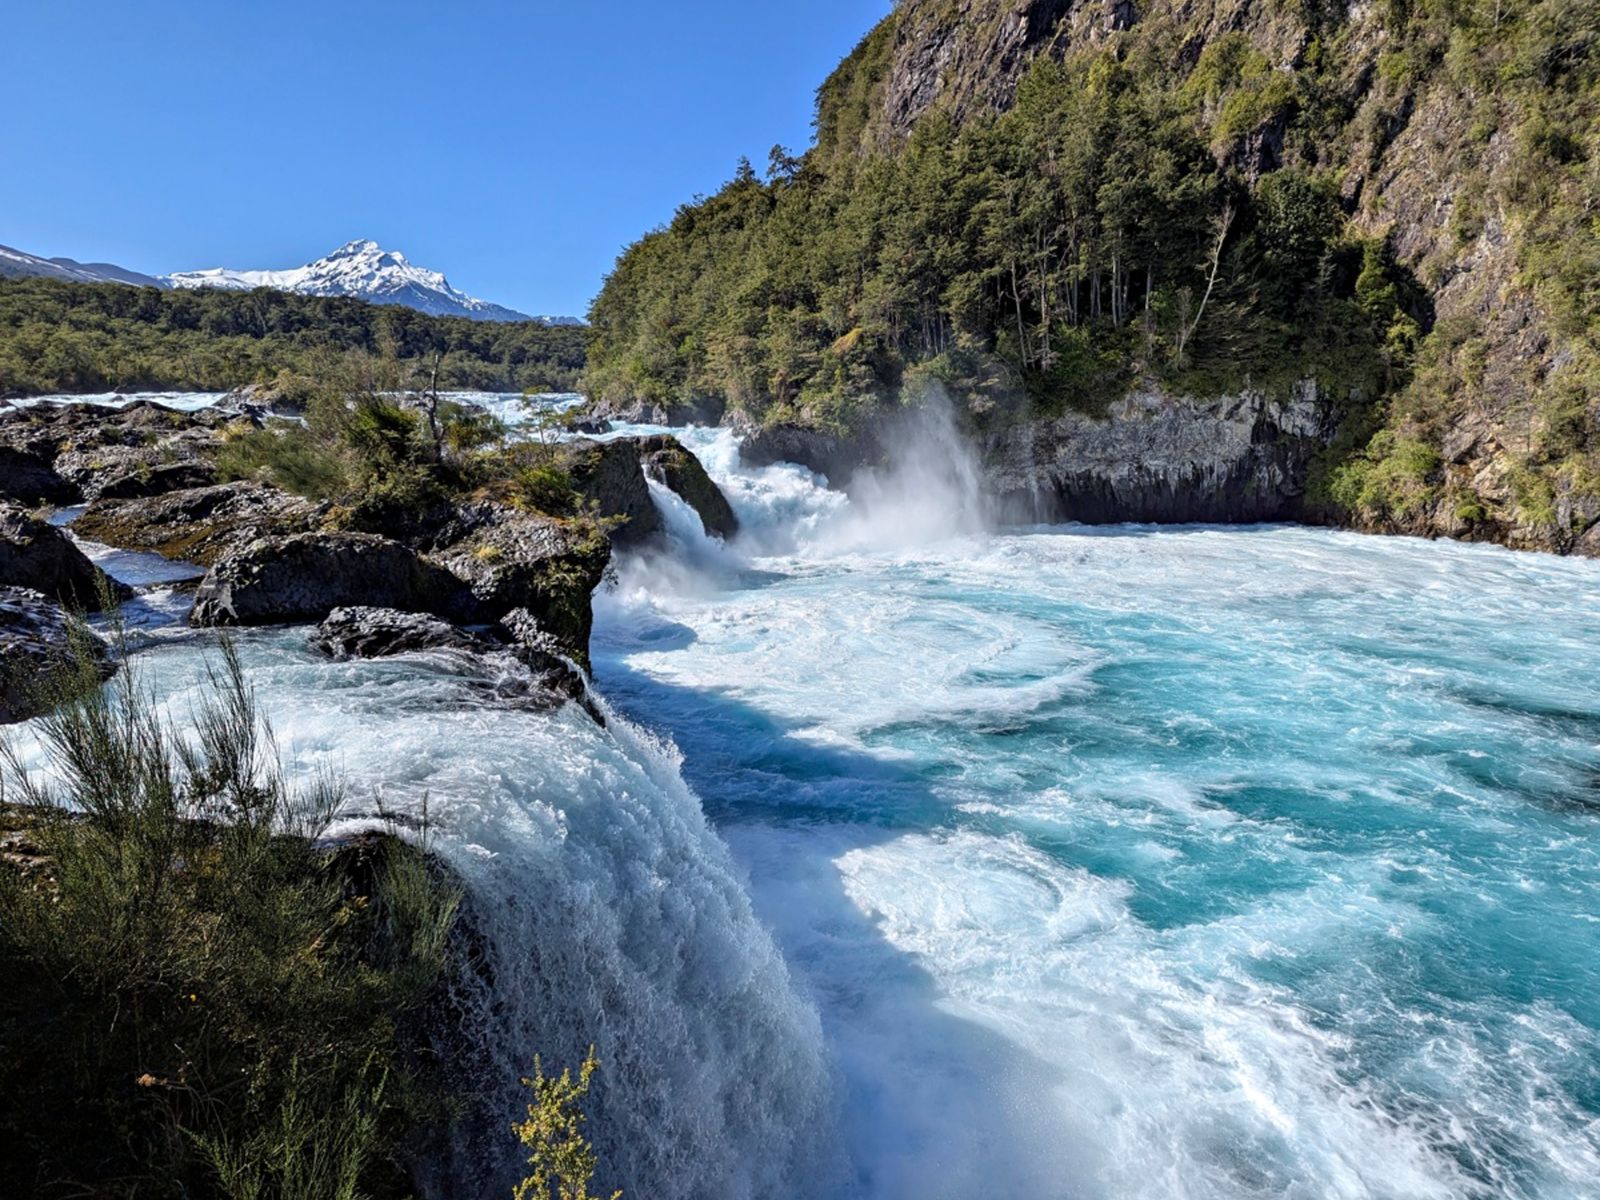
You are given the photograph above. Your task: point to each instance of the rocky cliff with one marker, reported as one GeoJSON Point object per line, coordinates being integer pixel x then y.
{"type": "Point", "coordinates": [1463, 139]}
{"type": "Point", "coordinates": [1156, 457]}
{"type": "Point", "coordinates": [1159, 211]}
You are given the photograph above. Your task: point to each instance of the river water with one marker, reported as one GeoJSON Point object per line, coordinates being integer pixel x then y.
{"type": "Point", "coordinates": [923, 859]}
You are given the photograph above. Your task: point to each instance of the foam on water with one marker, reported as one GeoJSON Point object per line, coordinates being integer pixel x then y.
{"type": "Point", "coordinates": [1198, 863]}
{"type": "Point", "coordinates": [608, 913]}
{"type": "Point", "coordinates": [1144, 862]}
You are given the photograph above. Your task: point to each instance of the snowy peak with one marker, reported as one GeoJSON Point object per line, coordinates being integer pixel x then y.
{"type": "Point", "coordinates": [362, 269]}
{"type": "Point", "coordinates": [367, 271]}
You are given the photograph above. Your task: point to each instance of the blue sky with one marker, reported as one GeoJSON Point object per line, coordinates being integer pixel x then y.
{"type": "Point", "coordinates": [517, 147]}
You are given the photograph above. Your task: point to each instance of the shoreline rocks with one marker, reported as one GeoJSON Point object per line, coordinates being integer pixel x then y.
{"type": "Point", "coordinates": [305, 576]}
{"type": "Point", "coordinates": [1161, 458]}
{"type": "Point", "coordinates": [35, 554]}
{"type": "Point", "coordinates": [198, 525]}
{"type": "Point", "coordinates": [40, 645]}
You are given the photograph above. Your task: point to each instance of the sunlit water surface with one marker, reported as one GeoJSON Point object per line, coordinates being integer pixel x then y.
{"type": "Point", "coordinates": [1126, 862]}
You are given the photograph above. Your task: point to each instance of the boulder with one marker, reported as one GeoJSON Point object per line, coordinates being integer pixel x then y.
{"type": "Point", "coordinates": [668, 463]}
{"type": "Point", "coordinates": [305, 576]}
{"type": "Point", "coordinates": [548, 567]}
{"type": "Point", "coordinates": [380, 632]}
{"type": "Point", "coordinates": [697, 410]}
{"type": "Point", "coordinates": [834, 456]}
{"type": "Point", "coordinates": [514, 660]}
{"type": "Point", "coordinates": [31, 478]}
{"type": "Point", "coordinates": [35, 554]}
{"type": "Point", "coordinates": [44, 655]}
{"type": "Point", "coordinates": [608, 476]}
{"type": "Point", "coordinates": [198, 525]}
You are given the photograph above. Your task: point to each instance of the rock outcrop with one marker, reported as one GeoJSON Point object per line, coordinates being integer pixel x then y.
{"type": "Point", "coordinates": [834, 456]}
{"type": "Point", "coordinates": [199, 525]}
{"type": "Point", "coordinates": [1161, 458]}
{"type": "Point", "coordinates": [513, 660]}
{"type": "Point", "coordinates": [41, 654]}
{"type": "Point", "coordinates": [381, 632]}
{"type": "Point", "coordinates": [550, 568]}
{"type": "Point", "coordinates": [30, 478]}
{"type": "Point", "coordinates": [669, 464]}
{"type": "Point", "coordinates": [305, 576]}
{"type": "Point", "coordinates": [700, 410]}
{"type": "Point", "coordinates": [35, 554]}
{"type": "Point", "coordinates": [60, 453]}
{"type": "Point", "coordinates": [608, 475]}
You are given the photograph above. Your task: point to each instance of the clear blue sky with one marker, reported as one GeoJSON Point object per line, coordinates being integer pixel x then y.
{"type": "Point", "coordinates": [517, 147]}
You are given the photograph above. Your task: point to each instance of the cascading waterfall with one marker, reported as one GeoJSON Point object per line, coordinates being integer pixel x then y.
{"type": "Point", "coordinates": [604, 911]}
{"type": "Point", "coordinates": [1123, 863]}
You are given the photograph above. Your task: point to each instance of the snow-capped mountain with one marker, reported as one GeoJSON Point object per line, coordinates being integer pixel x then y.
{"type": "Point", "coordinates": [367, 271]}
{"type": "Point", "coordinates": [18, 263]}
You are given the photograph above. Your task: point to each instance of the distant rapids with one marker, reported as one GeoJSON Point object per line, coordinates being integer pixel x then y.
{"type": "Point", "coordinates": [927, 859]}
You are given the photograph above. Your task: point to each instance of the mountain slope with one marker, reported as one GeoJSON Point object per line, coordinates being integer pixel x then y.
{"type": "Point", "coordinates": [362, 269]}
{"type": "Point", "coordinates": [18, 264]}
{"type": "Point", "coordinates": [1049, 205]}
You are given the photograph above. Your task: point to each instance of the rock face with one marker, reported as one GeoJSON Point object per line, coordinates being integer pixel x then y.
{"type": "Point", "coordinates": [37, 555]}
{"type": "Point", "coordinates": [380, 632]}
{"type": "Point", "coordinates": [305, 576]}
{"type": "Point", "coordinates": [828, 454]}
{"type": "Point", "coordinates": [1161, 458]}
{"type": "Point", "coordinates": [548, 568]}
{"type": "Point", "coordinates": [36, 650]}
{"type": "Point", "coordinates": [668, 463]}
{"type": "Point", "coordinates": [198, 525]}
{"type": "Point", "coordinates": [30, 478]}
{"type": "Point", "coordinates": [609, 476]}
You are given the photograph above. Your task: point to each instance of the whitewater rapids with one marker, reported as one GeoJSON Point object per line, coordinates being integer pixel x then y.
{"type": "Point", "coordinates": [923, 859]}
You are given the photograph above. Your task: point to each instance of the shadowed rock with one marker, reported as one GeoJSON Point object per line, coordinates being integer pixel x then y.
{"type": "Point", "coordinates": [608, 475]}
{"type": "Point", "coordinates": [668, 463]}
{"type": "Point", "coordinates": [35, 554]}
{"type": "Point", "coordinates": [305, 576]}
{"type": "Point", "coordinates": [38, 666]}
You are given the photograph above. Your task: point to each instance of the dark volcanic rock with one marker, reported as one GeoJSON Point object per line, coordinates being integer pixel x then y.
{"type": "Point", "coordinates": [155, 481]}
{"type": "Point", "coordinates": [305, 576]}
{"type": "Point", "coordinates": [73, 451]}
{"type": "Point", "coordinates": [30, 478]}
{"type": "Point", "coordinates": [828, 454]}
{"type": "Point", "coordinates": [666, 461]}
{"type": "Point", "coordinates": [702, 410]}
{"type": "Point", "coordinates": [199, 525]}
{"type": "Point", "coordinates": [35, 554]}
{"type": "Point", "coordinates": [516, 560]}
{"type": "Point", "coordinates": [37, 654]}
{"type": "Point", "coordinates": [609, 476]}
{"type": "Point", "coordinates": [515, 660]}
{"type": "Point", "coordinates": [379, 632]}
{"type": "Point", "coordinates": [1162, 458]}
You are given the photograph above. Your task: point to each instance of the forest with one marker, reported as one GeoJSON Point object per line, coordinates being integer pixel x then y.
{"type": "Point", "coordinates": [76, 338]}
{"type": "Point", "coordinates": [1189, 200]}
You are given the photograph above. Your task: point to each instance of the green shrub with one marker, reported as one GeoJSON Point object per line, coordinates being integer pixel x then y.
{"type": "Point", "coordinates": [202, 998]}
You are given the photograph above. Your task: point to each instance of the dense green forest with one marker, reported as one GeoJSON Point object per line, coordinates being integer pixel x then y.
{"type": "Point", "coordinates": [64, 337]}
{"type": "Point", "coordinates": [1181, 197]}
